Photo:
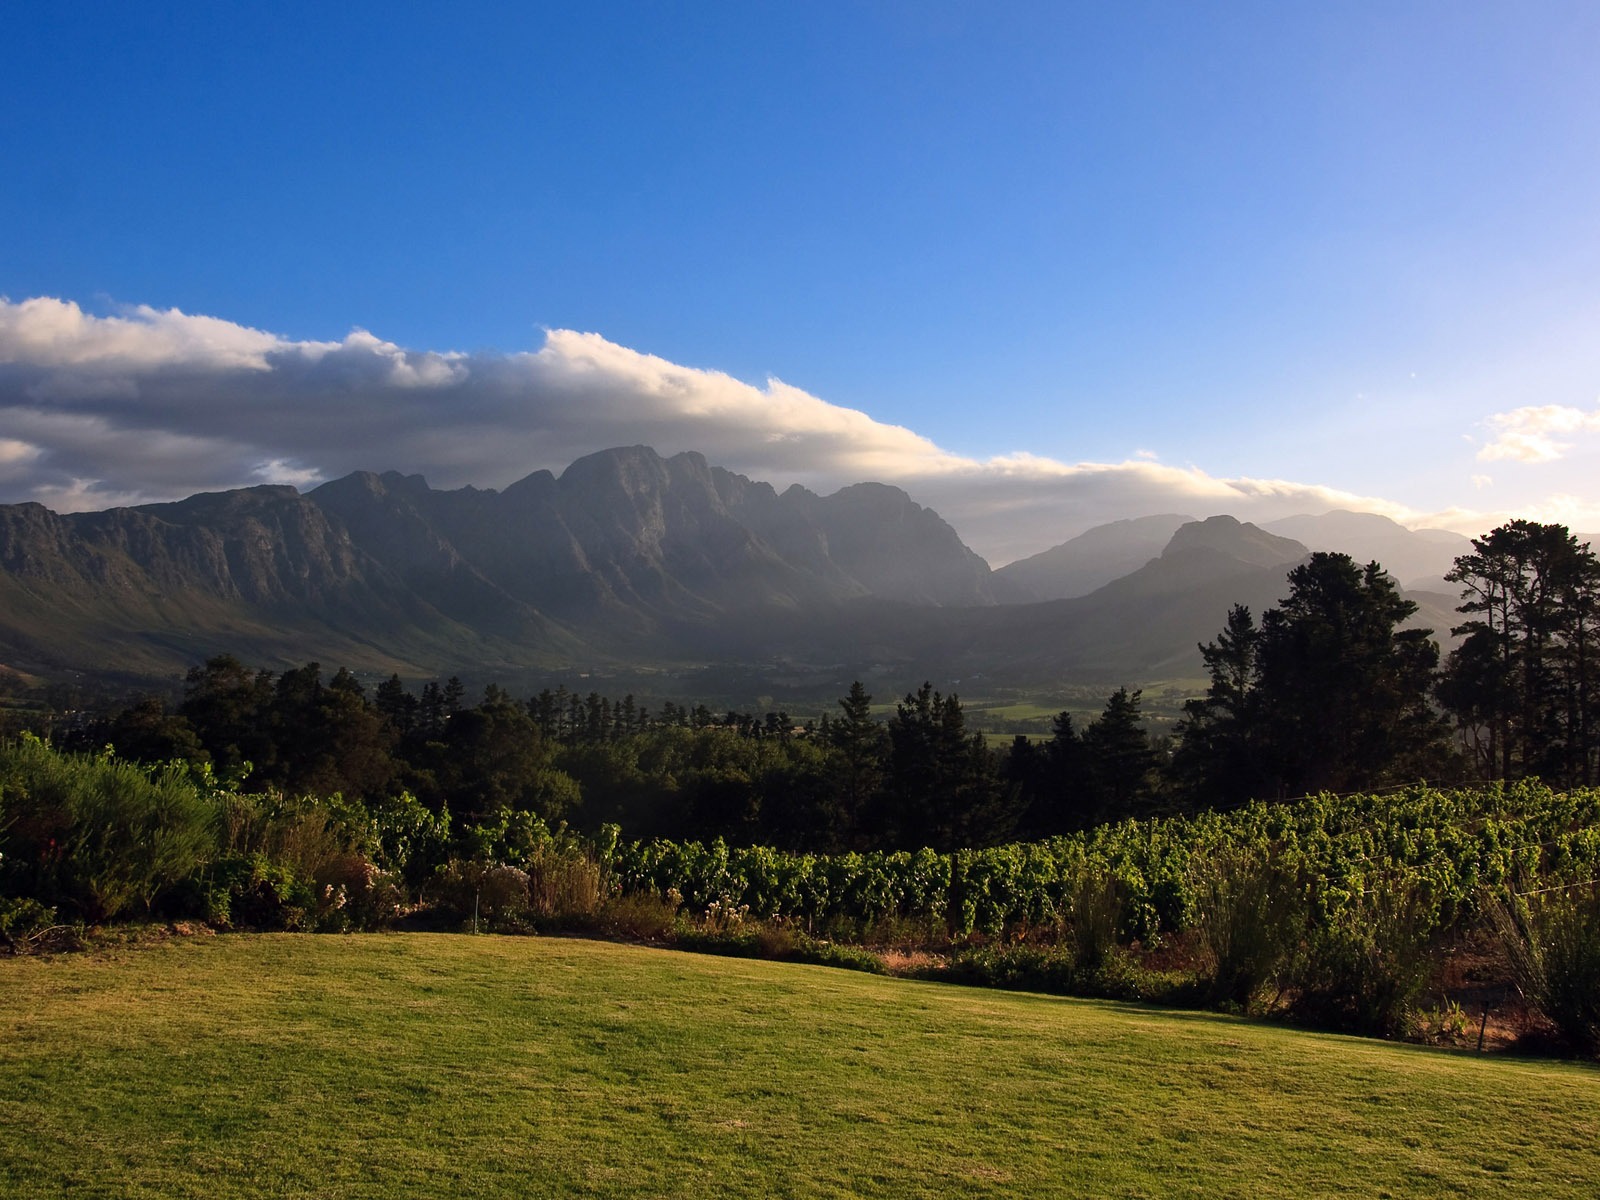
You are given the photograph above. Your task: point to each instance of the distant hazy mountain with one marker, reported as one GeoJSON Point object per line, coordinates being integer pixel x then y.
{"type": "Point", "coordinates": [1414, 558]}
{"type": "Point", "coordinates": [616, 556]}
{"type": "Point", "coordinates": [263, 571]}
{"type": "Point", "coordinates": [626, 558]}
{"type": "Point", "coordinates": [1090, 560]}
{"type": "Point", "coordinates": [1146, 625]}
{"type": "Point", "coordinates": [1150, 621]}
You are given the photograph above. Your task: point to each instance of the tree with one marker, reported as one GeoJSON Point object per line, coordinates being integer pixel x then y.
{"type": "Point", "coordinates": [326, 737]}
{"type": "Point", "coordinates": [1329, 693]}
{"type": "Point", "coordinates": [495, 761]}
{"type": "Point", "coordinates": [396, 706]}
{"type": "Point", "coordinates": [1218, 761]}
{"type": "Point", "coordinates": [1344, 701]}
{"type": "Point", "coordinates": [1521, 684]}
{"type": "Point", "coordinates": [943, 786]}
{"type": "Point", "coordinates": [1066, 799]}
{"type": "Point", "coordinates": [147, 732]}
{"type": "Point", "coordinates": [1022, 774]}
{"type": "Point", "coordinates": [228, 706]}
{"type": "Point", "coordinates": [1119, 759]}
{"type": "Point", "coordinates": [859, 745]}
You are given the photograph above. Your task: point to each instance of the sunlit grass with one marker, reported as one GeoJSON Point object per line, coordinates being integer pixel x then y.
{"type": "Point", "coordinates": [444, 1065]}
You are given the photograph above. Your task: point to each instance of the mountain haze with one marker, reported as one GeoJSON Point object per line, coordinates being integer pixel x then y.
{"type": "Point", "coordinates": [1092, 559]}
{"type": "Point", "coordinates": [624, 550]}
{"type": "Point", "coordinates": [624, 559]}
{"type": "Point", "coordinates": [1413, 557]}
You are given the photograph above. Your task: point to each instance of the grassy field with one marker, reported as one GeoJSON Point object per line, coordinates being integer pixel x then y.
{"type": "Point", "coordinates": [439, 1065]}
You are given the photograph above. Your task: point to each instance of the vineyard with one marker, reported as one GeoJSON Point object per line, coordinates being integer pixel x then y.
{"type": "Point", "coordinates": [1443, 850]}
{"type": "Point", "coordinates": [1338, 910]}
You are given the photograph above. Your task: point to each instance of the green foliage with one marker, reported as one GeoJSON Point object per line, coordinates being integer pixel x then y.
{"type": "Point", "coordinates": [1363, 969]}
{"type": "Point", "coordinates": [1332, 900]}
{"type": "Point", "coordinates": [1553, 942]}
{"type": "Point", "coordinates": [21, 919]}
{"type": "Point", "coordinates": [98, 835]}
{"type": "Point", "coordinates": [1249, 914]}
{"type": "Point", "coordinates": [407, 836]}
{"type": "Point", "coordinates": [1328, 692]}
{"type": "Point", "coordinates": [105, 838]}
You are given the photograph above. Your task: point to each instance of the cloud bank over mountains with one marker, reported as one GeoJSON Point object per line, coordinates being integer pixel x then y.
{"type": "Point", "coordinates": [1535, 434]}
{"type": "Point", "coordinates": [98, 411]}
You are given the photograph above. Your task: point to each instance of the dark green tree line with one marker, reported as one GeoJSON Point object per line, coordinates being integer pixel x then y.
{"type": "Point", "coordinates": [1522, 684]}
{"type": "Point", "coordinates": [1328, 693]}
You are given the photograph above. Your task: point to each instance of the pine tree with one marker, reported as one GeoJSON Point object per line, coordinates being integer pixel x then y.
{"type": "Point", "coordinates": [1119, 759]}
{"type": "Point", "coordinates": [1522, 683]}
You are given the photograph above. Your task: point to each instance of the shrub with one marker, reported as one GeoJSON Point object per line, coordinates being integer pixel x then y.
{"type": "Point", "coordinates": [1022, 968]}
{"type": "Point", "coordinates": [1362, 970]}
{"type": "Point", "coordinates": [407, 837]}
{"type": "Point", "coordinates": [1115, 976]}
{"type": "Point", "coordinates": [642, 915]}
{"type": "Point", "coordinates": [774, 942]}
{"type": "Point", "coordinates": [831, 954]}
{"type": "Point", "coordinates": [97, 834]}
{"type": "Point", "coordinates": [353, 893]}
{"type": "Point", "coordinates": [1552, 941]}
{"type": "Point", "coordinates": [1248, 918]}
{"type": "Point", "coordinates": [1445, 1024]}
{"type": "Point", "coordinates": [250, 891]}
{"type": "Point", "coordinates": [494, 894]}
{"type": "Point", "coordinates": [564, 884]}
{"type": "Point", "coordinates": [21, 919]}
{"type": "Point", "coordinates": [1096, 920]}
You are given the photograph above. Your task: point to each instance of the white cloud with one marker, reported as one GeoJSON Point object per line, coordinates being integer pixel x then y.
{"type": "Point", "coordinates": [16, 459]}
{"type": "Point", "coordinates": [1579, 514]}
{"type": "Point", "coordinates": [1532, 434]}
{"type": "Point", "coordinates": [153, 405]}
{"type": "Point", "coordinates": [47, 332]}
{"type": "Point", "coordinates": [14, 451]}
{"type": "Point", "coordinates": [280, 471]}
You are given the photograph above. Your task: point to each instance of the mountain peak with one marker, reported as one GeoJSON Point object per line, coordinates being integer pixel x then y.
{"type": "Point", "coordinates": [1237, 539]}
{"type": "Point", "coordinates": [1092, 559]}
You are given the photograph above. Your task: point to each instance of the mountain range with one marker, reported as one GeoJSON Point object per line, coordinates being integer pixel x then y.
{"type": "Point", "coordinates": [630, 558]}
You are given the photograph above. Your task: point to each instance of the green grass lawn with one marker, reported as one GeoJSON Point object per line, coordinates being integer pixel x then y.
{"type": "Point", "coordinates": [447, 1065]}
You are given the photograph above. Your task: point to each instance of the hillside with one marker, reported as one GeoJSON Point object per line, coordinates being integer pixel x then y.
{"type": "Point", "coordinates": [1092, 559]}
{"type": "Point", "coordinates": [437, 1065]}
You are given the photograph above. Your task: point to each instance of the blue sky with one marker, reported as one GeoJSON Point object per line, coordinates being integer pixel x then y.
{"type": "Point", "coordinates": [1347, 248]}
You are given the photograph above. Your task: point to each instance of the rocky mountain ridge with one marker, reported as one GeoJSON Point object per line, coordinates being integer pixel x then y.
{"type": "Point", "coordinates": [626, 557]}
{"type": "Point", "coordinates": [624, 548]}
